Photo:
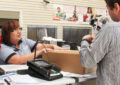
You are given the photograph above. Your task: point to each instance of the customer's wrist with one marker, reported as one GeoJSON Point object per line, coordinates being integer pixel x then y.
{"type": "Point", "coordinates": [86, 40]}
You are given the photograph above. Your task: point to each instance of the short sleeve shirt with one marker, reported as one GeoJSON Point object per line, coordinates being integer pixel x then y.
{"type": "Point", "coordinates": [6, 52]}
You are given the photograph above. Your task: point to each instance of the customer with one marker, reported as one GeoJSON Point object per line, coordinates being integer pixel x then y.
{"type": "Point", "coordinates": [105, 49]}
{"type": "Point", "coordinates": [17, 50]}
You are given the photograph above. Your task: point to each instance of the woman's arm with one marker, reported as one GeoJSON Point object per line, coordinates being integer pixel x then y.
{"type": "Point", "coordinates": [17, 59]}
{"type": "Point", "coordinates": [51, 46]}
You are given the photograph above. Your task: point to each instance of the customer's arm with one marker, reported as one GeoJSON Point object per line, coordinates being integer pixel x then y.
{"type": "Point", "coordinates": [91, 54]}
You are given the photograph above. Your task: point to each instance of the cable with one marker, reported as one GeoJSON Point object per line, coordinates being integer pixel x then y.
{"type": "Point", "coordinates": [35, 50]}
{"type": "Point", "coordinates": [46, 52]}
{"type": "Point", "coordinates": [43, 47]}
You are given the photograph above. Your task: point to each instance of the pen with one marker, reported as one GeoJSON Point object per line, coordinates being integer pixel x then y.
{"type": "Point", "coordinates": [8, 83]}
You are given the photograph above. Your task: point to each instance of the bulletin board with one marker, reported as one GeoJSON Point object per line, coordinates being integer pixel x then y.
{"type": "Point", "coordinates": [75, 14]}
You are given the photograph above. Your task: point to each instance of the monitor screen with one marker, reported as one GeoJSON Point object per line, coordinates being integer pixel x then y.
{"type": "Point", "coordinates": [41, 63]}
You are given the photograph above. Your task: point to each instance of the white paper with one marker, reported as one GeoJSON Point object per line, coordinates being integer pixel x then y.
{"type": "Point", "coordinates": [68, 74]}
{"type": "Point", "coordinates": [23, 79]}
{"type": "Point", "coordinates": [78, 47]}
{"type": "Point", "coordinates": [11, 68]}
{"type": "Point", "coordinates": [2, 82]}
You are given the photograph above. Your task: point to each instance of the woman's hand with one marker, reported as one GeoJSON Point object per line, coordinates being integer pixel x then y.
{"type": "Point", "coordinates": [44, 50]}
{"type": "Point", "coordinates": [55, 47]}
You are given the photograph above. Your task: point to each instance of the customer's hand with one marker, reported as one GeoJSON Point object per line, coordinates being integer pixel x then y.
{"type": "Point", "coordinates": [88, 37]}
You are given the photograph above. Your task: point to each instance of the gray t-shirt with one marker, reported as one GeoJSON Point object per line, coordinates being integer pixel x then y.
{"type": "Point", "coordinates": [105, 53]}
{"type": "Point", "coordinates": [6, 52]}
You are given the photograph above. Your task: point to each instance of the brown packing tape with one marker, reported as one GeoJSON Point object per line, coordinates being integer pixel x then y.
{"type": "Point", "coordinates": [67, 60]}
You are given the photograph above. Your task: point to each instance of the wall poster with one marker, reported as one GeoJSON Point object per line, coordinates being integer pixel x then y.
{"type": "Point", "coordinates": [76, 14]}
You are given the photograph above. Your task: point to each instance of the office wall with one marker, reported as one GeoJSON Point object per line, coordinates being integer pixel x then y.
{"type": "Point", "coordinates": [35, 12]}
{"type": "Point", "coordinates": [11, 15]}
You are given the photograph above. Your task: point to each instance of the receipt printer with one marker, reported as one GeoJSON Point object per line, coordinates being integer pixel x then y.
{"type": "Point", "coordinates": [43, 69]}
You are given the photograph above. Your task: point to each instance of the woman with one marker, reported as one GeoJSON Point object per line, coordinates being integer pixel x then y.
{"type": "Point", "coordinates": [17, 50]}
{"type": "Point", "coordinates": [89, 15]}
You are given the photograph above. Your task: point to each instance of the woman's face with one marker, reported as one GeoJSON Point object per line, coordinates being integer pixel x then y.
{"type": "Point", "coordinates": [15, 36]}
{"type": "Point", "coordinates": [58, 9]}
{"type": "Point", "coordinates": [89, 10]}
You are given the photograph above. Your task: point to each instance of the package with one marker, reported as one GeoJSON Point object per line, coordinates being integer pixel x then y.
{"type": "Point", "coordinates": [67, 60]}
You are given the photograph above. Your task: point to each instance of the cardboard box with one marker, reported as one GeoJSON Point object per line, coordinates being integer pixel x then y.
{"type": "Point", "coordinates": [67, 60]}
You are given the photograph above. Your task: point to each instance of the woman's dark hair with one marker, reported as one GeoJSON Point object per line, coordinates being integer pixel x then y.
{"type": "Point", "coordinates": [7, 28]}
{"type": "Point", "coordinates": [111, 3]}
{"type": "Point", "coordinates": [89, 10]}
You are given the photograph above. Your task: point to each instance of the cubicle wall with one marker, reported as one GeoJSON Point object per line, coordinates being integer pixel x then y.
{"type": "Point", "coordinates": [70, 33]}
{"type": "Point", "coordinates": [75, 34]}
{"type": "Point", "coordinates": [38, 32]}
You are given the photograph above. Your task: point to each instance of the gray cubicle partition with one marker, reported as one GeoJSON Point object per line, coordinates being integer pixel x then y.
{"type": "Point", "coordinates": [38, 32]}
{"type": "Point", "coordinates": [70, 33]}
{"type": "Point", "coordinates": [75, 34]}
